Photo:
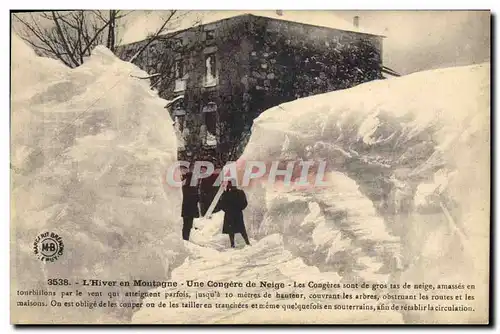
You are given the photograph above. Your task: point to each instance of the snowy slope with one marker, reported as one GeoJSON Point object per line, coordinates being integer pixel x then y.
{"type": "Point", "coordinates": [407, 159]}
{"type": "Point", "coordinates": [89, 146]}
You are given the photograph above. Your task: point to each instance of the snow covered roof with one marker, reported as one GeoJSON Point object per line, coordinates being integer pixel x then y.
{"type": "Point", "coordinates": [389, 72]}
{"type": "Point", "coordinates": [150, 22]}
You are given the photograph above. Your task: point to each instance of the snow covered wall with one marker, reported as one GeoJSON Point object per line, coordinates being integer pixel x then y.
{"type": "Point", "coordinates": [408, 180]}
{"type": "Point", "coordinates": [88, 148]}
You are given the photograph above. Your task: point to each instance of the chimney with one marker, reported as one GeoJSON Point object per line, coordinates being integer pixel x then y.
{"type": "Point", "coordinates": [279, 12]}
{"type": "Point", "coordinates": [355, 21]}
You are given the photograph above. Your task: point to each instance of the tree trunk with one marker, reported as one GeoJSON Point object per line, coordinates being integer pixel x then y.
{"type": "Point", "coordinates": [111, 31]}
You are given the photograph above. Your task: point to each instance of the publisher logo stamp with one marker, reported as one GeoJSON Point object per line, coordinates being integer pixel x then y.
{"type": "Point", "coordinates": [48, 246]}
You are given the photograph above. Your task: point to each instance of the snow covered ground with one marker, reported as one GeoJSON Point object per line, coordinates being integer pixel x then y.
{"type": "Point", "coordinates": [266, 260]}
{"type": "Point", "coordinates": [89, 146]}
{"type": "Point", "coordinates": [405, 197]}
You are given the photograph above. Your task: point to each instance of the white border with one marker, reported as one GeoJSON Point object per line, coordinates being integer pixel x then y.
{"type": "Point", "coordinates": [199, 4]}
{"type": "Point", "coordinates": [275, 4]}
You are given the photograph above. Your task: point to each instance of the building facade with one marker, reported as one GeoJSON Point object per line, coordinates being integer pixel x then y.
{"type": "Point", "coordinates": [221, 75]}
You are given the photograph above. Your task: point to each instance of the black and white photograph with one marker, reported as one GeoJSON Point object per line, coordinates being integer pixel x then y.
{"type": "Point", "coordinates": [258, 167]}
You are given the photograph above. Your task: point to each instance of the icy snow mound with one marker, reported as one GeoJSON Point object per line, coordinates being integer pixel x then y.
{"type": "Point", "coordinates": [335, 228]}
{"type": "Point", "coordinates": [89, 146]}
{"type": "Point", "coordinates": [373, 117]}
{"type": "Point", "coordinates": [424, 136]}
{"type": "Point", "coordinates": [28, 67]}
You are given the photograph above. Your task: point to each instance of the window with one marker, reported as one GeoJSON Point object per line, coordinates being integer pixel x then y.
{"type": "Point", "coordinates": [177, 43]}
{"type": "Point", "coordinates": [179, 69]}
{"type": "Point", "coordinates": [180, 76]}
{"type": "Point", "coordinates": [210, 70]}
{"type": "Point", "coordinates": [210, 117]}
{"type": "Point", "coordinates": [211, 122]}
{"type": "Point", "coordinates": [179, 113]}
{"type": "Point", "coordinates": [209, 35]}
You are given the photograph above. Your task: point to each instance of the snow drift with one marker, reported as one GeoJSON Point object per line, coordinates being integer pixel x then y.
{"type": "Point", "coordinates": [88, 147]}
{"type": "Point", "coordinates": [408, 179]}
{"type": "Point", "coordinates": [405, 201]}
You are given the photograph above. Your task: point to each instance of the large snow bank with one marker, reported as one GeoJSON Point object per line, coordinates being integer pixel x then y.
{"type": "Point", "coordinates": [393, 209]}
{"type": "Point", "coordinates": [88, 147]}
{"type": "Point", "coordinates": [408, 179]}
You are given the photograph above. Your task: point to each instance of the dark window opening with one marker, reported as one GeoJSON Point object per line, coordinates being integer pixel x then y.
{"type": "Point", "coordinates": [210, 122]}
{"type": "Point", "coordinates": [179, 69]}
{"type": "Point", "coordinates": [209, 35]}
{"type": "Point", "coordinates": [178, 42]}
{"type": "Point", "coordinates": [210, 117]}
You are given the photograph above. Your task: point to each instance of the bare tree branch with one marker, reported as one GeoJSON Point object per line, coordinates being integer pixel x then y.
{"type": "Point", "coordinates": [36, 46]}
{"type": "Point", "coordinates": [39, 34]}
{"type": "Point", "coordinates": [153, 37]}
{"type": "Point", "coordinates": [68, 36]}
{"type": "Point", "coordinates": [80, 23]}
{"type": "Point", "coordinates": [63, 39]}
{"type": "Point", "coordinates": [98, 13]}
{"type": "Point", "coordinates": [96, 35]}
{"type": "Point", "coordinates": [110, 44]}
{"type": "Point", "coordinates": [68, 22]}
{"type": "Point", "coordinates": [86, 37]}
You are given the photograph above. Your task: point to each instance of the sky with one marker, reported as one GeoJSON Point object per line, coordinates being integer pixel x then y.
{"type": "Point", "coordinates": [415, 40]}
{"type": "Point", "coordinates": [422, 40]}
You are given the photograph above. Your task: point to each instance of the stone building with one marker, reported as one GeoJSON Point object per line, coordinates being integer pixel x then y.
{"type": "Point", "coordinates": [222, 73]}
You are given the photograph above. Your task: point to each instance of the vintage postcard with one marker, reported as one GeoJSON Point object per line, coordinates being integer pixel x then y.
{"type": "Point", "coordinates": [250, 167]}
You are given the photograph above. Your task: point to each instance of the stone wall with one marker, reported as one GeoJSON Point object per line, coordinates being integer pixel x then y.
{"type": "Point", "coordinates": [260, 63]}
{"type": "Point", "coordinates": [291, 61]}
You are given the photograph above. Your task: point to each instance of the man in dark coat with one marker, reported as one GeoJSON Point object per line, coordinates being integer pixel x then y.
{"type": "Point", "coordinates": [233, 201]}
{"type": "Point", "coordinates": [189, 204]}
{"type": "Point", "coordinates": [207, 192]}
